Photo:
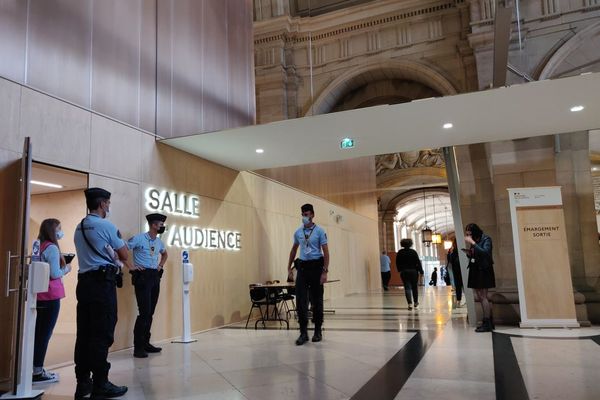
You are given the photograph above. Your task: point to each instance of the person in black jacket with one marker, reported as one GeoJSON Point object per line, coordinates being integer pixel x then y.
{"type": "Point", "coordinates": [481, 271]}
{"type": "Point", "coordinates": [433, 280]}
{"type": "Point", "coordinates": [454, 262]}
{"type": "Point", "coordinates": [409, 266]}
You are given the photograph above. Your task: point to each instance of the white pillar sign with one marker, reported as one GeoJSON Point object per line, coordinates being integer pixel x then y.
{"type": "Point", "coordinates": [542, 258]}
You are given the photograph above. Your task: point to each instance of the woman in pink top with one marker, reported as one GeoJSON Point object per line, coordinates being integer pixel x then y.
{"type": "Point", "coordinates": [48, 303]}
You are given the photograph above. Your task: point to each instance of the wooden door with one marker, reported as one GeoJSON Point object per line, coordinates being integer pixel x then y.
{"type": "Point", "coordinates": [14, 224]}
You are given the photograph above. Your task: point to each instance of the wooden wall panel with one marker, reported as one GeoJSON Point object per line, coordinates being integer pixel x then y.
{"type": "Point", "coordinates": [184, 65]}
{"type": "Point", "coordinates": [116, 59]}
{"type": "Point", "coordinates": [59, 51]}
{"type": "Point", "coordinates": [348, 183]}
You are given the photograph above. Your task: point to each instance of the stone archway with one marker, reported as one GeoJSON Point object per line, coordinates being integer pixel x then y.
{"type": "Point", "coordinates": [576, 50]}
{"type": "Point", "coordinates": [405, 70]}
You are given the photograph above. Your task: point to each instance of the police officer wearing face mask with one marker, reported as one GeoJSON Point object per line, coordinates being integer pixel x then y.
{"type": "Point", "coordinates": [312, 272]}
{"type": "Point", "coordinates": [95, 239]}
{"type": "Point", "coordinates": [149, 256]}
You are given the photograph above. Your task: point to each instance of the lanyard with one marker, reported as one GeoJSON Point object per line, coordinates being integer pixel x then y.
{"type": "Point", "coordinates": [151, 246]}
{"type": "Point", "coordinates": [306, 237]}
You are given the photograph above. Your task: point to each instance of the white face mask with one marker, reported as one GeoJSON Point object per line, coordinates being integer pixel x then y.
{"type": "Point", "coordinates": [305, 220]}
{"type": "Point", "coordinates": [107, 213]}
{"type": "Point", "coordinates": [60, 235]}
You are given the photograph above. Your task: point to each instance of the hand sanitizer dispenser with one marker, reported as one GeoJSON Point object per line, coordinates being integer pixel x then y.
{"type": "Point", "coordinates": [39, 277]}
{"type": "Point", "coordinates": [187, 273]}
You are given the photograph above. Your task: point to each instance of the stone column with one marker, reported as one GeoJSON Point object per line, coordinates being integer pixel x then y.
{"type": "Point", "coordinates": [573, 174]}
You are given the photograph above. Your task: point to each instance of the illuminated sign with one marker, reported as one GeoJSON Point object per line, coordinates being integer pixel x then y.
{"type": "Point", "coordinates": [186, 236]}
{"type": "Point", "coordinates": [182, 204]}
{"type": "Point", "coordinates": [193, 237]}
{"type": "Point", "coordinates": [347, 143]}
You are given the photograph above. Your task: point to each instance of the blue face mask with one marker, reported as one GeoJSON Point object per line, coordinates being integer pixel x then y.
{"type": "Point", "coordinates": [305, 220]}
{"type": "Point", "coordinates": [60, 235]}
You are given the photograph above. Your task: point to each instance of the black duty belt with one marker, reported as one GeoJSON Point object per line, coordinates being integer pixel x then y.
{"type": "Point", "coordinates": [318, 263]}
{"type": "Point", "coordinates": [105, 272]}
{"type": "Point", "coordinates": [146, 271]}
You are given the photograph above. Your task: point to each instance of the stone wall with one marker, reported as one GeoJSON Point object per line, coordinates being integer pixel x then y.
{"type": "Point", "coordinates": [299, 62]}
{"type": "Point", "coordinates": [558, 38]}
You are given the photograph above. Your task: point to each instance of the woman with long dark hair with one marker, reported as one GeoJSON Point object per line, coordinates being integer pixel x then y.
{"type": "Point", "coordinates": [48, 303]}
{"type": "Point", "coordinates": [409, 266]}
{"type": "Point", "coordinates": [481, 271]}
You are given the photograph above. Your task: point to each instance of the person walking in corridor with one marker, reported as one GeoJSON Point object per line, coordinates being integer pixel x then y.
{"type": "Point", "coordinates": [433, 281]}
{"type": "Point", "coordinates": [409, 266]}
{"type": "Point", "coordinates": [386, 274]}
{"type": "Point", "coordinates": [454, 264]}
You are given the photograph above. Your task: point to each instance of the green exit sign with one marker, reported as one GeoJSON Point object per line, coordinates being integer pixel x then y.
{"type": "Point", "coordinates": [347, 143]}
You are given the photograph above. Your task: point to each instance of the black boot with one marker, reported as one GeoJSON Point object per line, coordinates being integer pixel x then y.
{"type": "Point", "coordinates": [492, 326]}
{"type": "Point", "coordinates": [152, 349]}
{"type": "Point", "coordinates": [83, 389]}
{"type": "Point", "coordinates": [317, 336]}
{"type": "Point", "coordinates": [303, 338]}
{"type": "Point", "coordinates": [108, 391]}
{"type": "Point", "coordinates": [485, 326]}
{"type": "Point", "coordinates": [139, 352]}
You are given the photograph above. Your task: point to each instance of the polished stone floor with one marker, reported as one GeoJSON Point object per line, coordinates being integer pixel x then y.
{"type": "Point", "coordinates": [373, 348]}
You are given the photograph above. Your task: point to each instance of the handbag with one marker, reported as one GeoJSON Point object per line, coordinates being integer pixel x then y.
{"type": "Point", "coordinates": [56, 289]}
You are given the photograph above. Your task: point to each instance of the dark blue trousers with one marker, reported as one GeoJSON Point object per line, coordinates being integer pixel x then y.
{"type": "Point", "coordinates": [47, 314]}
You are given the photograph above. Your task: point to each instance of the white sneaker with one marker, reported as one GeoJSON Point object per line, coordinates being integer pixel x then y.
{"type": "Point", "coordinates": [462, 302]}
{"type": "Point", "coordinates": [416, 305]}
{"type": "Point", "coordinates": [45, 377]}
{"type": "Point", "coordinates": [410, 306]}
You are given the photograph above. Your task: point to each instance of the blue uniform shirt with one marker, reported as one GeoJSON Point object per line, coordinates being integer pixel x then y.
{"type": "Point", "coordinates": [385, 261]}
{"type": "Point", "coordinates": [310, 241]}
{"type": "Point", "coordinates": [146, 251]}
{"type": "Point", "coordinates": [100, 233]}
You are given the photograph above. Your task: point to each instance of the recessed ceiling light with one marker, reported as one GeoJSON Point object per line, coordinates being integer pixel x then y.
{"type": "Point", "coordinates": [577, 108]}
{"type": "Point", "coordinates": [260, 151]}
{"type": "Point", "coordinates": [46, 184]}
{"type": "Point", "coordinates": [448, 125]}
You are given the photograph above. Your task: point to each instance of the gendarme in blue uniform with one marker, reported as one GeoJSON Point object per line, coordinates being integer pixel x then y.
{"type": "Point", "coordinates": [100, 232]}
{"type": "Point", "coordinates": [146, 251]}
{"type": "Point", "coordinates": [310, 241]}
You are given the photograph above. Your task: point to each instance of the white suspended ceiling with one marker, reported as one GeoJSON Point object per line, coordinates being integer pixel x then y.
{"type": "Point", "coordinates": [519, 111]}
{"type": "Point", "coordinates": [50, 179]}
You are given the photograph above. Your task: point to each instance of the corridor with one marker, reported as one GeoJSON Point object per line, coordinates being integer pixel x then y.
{"type": "Point", "coordinates": [373, 348]}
